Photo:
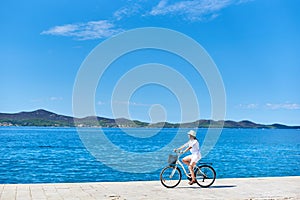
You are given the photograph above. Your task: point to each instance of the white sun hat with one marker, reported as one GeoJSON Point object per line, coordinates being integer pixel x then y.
{"type": "Point", "coordinates": [192, 133]}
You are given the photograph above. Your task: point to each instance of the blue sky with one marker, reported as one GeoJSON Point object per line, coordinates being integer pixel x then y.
{"type": "Point", "coordinates": [254, 43]}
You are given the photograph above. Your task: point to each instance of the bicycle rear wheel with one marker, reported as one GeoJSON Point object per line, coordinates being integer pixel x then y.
{"type": "Point", "coordinates": [205, 175]}
{"type": "Point", "coordinates": [170, 176]}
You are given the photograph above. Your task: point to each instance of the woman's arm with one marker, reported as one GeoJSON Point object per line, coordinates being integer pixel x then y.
{"type": "Point", "coordinates": [187, 149]}
{"type": "Point", "coordinates": [181, 147]}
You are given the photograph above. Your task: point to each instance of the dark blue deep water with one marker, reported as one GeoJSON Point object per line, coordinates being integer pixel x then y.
{"type": "Point", "coordinates": [40, 155]}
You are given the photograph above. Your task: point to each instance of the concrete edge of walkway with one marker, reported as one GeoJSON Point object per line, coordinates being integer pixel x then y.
{"type": "Point", "coordinates": [153, 181]}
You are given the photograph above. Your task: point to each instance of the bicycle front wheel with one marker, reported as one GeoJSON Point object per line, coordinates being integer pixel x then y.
{"type": "Point", "coordinates": [170, 176]}
{"type": "Point", "coordinates": [205, 175]}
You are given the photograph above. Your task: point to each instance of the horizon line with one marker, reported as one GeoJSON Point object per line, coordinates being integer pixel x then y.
{"type": "Point", "coordinates": [241, 120]}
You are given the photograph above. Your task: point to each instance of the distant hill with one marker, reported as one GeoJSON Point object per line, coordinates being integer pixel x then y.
{"type": "Point", "coordinates": [46, 118]}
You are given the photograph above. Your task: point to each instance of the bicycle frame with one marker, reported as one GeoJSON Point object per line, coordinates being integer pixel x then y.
{"type": "Point", "coordinates": [183, 168]}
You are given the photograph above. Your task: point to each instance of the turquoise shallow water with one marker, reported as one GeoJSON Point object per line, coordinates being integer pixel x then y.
{"type": "Point", "coordinates": [37, 154]}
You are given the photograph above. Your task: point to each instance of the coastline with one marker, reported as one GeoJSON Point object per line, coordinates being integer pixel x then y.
{"type": "Point", "coordinates": [44, 118]}
{"type": "Point", "coordinates": [227, 188]}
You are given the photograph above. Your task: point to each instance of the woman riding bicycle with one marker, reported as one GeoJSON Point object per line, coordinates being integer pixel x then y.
{"type": "Point", "coordinates": [191, 160]}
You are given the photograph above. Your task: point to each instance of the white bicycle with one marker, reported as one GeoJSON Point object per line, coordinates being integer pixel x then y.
{"type": "Point", "coordinates": [171, 175]}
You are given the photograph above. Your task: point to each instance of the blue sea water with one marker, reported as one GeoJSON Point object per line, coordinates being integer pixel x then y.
{"type": "Point", "coordinates": [53, 155]}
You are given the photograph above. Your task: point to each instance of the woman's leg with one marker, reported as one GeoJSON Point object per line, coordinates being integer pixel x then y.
{"type": "Point", "coordinates": [187, 160]}
{"type": "Point", "coordinates": [191, 168]}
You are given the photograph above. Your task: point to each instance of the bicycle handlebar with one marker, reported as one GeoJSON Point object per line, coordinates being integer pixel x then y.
{"type": "Point", "coordinates": [178, 152]}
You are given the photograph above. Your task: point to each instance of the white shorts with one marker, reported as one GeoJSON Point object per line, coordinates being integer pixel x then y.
{"type": "Point", "coordinates": [194, 158]}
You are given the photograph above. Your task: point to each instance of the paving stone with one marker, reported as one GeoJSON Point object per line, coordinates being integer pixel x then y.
{"type": "Point", "coordinates": [277, 188]}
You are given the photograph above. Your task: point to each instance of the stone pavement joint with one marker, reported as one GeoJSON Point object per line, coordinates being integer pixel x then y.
{"type": "Point", "coordinates": [236, 188]}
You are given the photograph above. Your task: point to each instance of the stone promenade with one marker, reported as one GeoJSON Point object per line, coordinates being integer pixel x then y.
{"type": "Point", "coordinates": [239, 188]}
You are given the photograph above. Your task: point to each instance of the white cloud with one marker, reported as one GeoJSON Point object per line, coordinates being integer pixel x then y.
{"type": "Point", "coordinates": [288, 106]}
{"type": "Point", "coordinates": [85, 31]}
{"type": "Point", "coordinates": [127, 11]}
{"type": "Point", "coordinates": [271, 106]}
{"type": "Point", "coordinates": [119, 14]}
{"type": "Point", "coordinates": [100, 103]}
{"type": "Point", "coordinates": [193, 10]}
{"type": "Point", "coordinates": [248, 106]}
{"type": "Point", "coordinates": [56, 98]}
{"type": "Point", "coordinates": [131, 103]}
{"type": "Point", "coordinates": [46, 99]}
{"type": "Point", "coordinates": [126, 103]}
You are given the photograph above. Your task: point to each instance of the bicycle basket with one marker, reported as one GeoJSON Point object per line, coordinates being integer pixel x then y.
{"type": "Point", "coordinates": [172, 159]}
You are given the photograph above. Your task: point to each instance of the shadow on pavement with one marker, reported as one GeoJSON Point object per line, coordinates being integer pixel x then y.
{"type": "Point", "coordinates": [214, 186]}
{"type": "Point", "coordinates": [222, 186]}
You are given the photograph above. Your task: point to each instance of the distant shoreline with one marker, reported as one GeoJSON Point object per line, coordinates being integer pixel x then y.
{"type": "Point", "coordinates": [43, 118]}
{"type": "Point", "coordinates": [95, 127]}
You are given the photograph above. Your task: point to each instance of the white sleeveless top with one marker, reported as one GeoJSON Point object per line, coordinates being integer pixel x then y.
{"type": "Point", "coordinates": [195, 150]}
